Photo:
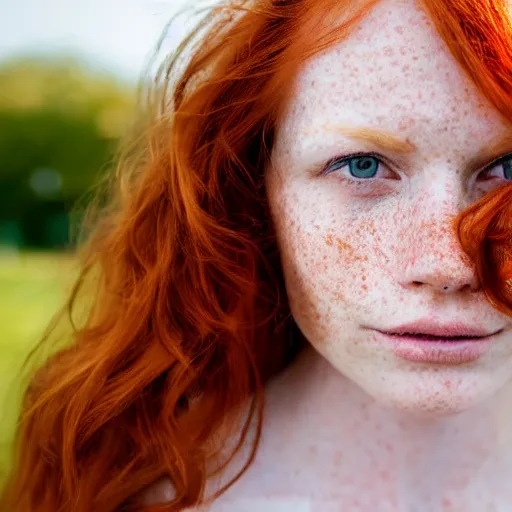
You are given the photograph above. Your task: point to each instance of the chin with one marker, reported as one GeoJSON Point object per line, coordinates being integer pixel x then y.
{"type": "Point", "coordinates": [431, 407]}
{"type": "Point", "coordinates": [435, 392]}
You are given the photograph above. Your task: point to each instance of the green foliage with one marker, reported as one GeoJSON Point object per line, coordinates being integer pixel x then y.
{"type": "Point", "coordinates": [32, 288]}
{"type": "Point", "coordinates": [59, 123]}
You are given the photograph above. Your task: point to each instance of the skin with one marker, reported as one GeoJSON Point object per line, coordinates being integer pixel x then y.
{"type": "Point", "coordinates": [365, 429]}
{"type": "Point", "coordinates": [381, 252]}
{"type": "Point", "coordinates": [350, 426]}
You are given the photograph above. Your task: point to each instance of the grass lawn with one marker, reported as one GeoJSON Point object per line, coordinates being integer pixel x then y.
{"type": "Point", "coordinates": [32, 287]}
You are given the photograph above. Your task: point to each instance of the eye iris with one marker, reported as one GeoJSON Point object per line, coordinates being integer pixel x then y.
{"type": "Point", "coordinates": [365, 167]}
{"type": "Point", "coordinates": [507, 169]}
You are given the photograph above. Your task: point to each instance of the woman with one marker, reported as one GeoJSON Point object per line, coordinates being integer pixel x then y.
{"type": "Point", "coordinates": [319, 215]}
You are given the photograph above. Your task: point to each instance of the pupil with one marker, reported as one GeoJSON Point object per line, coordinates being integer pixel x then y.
{"type": "Point", "coordinates": [364, 167]}
{"type": "Point", "coordinates": [364, 164]}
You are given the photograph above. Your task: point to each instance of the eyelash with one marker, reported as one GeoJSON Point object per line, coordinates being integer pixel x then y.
{"type": "Point", "coordinates": [344, 161]}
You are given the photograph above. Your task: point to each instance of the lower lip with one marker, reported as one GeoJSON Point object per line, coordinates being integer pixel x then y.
{"type": "Point", "coordinates": [440, 351]}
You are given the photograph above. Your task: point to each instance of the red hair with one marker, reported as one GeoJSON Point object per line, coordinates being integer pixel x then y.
{"type": "Point", "coordinates": [189, 315]}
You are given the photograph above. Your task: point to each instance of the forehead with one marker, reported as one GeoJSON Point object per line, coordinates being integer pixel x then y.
{"type": "Point", "coordinates": [394, 71]}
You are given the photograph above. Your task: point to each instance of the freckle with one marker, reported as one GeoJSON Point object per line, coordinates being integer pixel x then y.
{"type": "Point", "coordinates": [405, 122]}
{"type": "Point", "coordinates": [329, 240]}
{"type": "Point", "coordinates": [364, 287]}
{"type": "Point", "coordinates": [337, 459]}
{"type": "Point", "coordinates": [363, 278]}
{"type": "Point", "coordinates": [343, 246]}
{"type": "Point", "coordinates": [384, 474]}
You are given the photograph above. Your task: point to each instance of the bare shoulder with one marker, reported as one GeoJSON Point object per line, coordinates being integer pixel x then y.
{"type": "Point", "coordinates": [256, 490]}
{"type": "Point", "coordinates": [161, 492]}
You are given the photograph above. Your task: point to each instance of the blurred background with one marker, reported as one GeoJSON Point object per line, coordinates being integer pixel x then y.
{"type": "Point", "coordinates": [68, 77]}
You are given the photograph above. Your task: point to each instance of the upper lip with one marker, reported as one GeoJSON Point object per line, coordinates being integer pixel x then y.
{"type": "Point", "coordinates": [443, 330]}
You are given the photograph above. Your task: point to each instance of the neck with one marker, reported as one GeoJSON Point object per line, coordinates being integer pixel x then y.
{"type": "Point", "coordinates": [345, 435]}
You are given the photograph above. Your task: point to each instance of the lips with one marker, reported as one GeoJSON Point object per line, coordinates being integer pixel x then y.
{"type": "Point", "coordinates": [430, 330]}
{"type": "Point", "coordinates": [428, 341]}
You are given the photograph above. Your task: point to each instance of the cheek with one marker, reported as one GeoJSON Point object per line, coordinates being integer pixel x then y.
{"type": "Point", "coordinates": [349, 263]}
{"type": "Point", "coordinates": [331, 276]}
{"type": "Point", "coordinates": [339, 255]}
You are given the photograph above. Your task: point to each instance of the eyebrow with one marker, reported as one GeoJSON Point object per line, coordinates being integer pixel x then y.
{"type": "Point", "coordinates": [389, 141]}
{"type": "Point", "coordinates": [383, 139]}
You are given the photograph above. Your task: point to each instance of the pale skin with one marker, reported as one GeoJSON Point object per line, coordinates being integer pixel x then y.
{"type": "Point", "coordinates": [350, 426]}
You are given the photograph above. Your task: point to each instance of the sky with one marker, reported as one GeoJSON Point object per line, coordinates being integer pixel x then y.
{"type": "Point", "coordinates": [118, 35]}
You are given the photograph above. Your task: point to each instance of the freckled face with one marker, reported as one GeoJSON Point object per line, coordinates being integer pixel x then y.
{"type": "Point", "coordinates": [366, 242]}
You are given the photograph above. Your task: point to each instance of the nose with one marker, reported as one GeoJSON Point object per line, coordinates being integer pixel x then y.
{"type": "Point", "coordinates": [434, 260]}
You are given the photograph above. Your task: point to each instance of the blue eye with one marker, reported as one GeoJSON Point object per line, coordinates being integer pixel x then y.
{"type": "Point", "coordinates": [507, 169]}
{"type": "Point", "coordinates": [361, 167]}
{"type": "Point", "coordinates": [501, 168]}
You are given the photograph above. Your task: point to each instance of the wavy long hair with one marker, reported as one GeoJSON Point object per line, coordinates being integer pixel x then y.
{"type": "Point", "coordinates": [188, 315]}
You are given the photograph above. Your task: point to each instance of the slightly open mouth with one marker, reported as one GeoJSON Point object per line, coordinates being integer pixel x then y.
{"type": "Point", "coordinates": [430, 337]}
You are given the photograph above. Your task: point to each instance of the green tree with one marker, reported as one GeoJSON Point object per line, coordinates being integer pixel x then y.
{"type": "Point", "coordinates": [59, 124]}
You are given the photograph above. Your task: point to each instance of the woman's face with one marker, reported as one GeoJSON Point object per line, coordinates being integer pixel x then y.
{"type": "Point", "coordinates": [366, 242]}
